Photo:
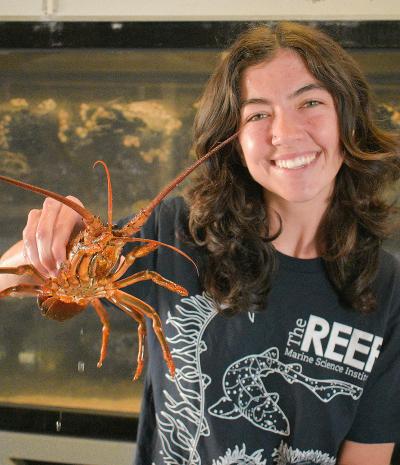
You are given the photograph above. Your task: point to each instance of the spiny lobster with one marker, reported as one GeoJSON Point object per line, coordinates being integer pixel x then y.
{"type": "Point", "coordinates": [94, 268]}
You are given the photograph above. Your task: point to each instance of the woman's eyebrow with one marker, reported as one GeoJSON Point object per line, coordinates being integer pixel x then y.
{"type": "Point", "coordinates": [306, 88]}
{"type": "Point", "coordinates": [296, 93]}
{"type": "Point", "coordinates": [250, 101]}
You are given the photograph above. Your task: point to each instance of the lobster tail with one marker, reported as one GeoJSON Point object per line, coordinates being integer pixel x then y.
{"type": "Point", "coordinates": [55, 309]}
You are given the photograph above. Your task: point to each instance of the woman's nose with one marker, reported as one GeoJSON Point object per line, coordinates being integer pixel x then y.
{"type": "Point", "coordinates": [285, 129]}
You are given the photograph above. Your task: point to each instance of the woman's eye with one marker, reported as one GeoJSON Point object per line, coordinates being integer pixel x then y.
{"type": "Point", "coordinates": [311, 103]}
{"type": "Point", "coordinates": [257, 117]}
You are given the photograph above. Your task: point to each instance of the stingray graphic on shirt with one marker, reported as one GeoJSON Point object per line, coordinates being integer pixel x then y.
{"type": "Point", "coordinates": [246, 395]}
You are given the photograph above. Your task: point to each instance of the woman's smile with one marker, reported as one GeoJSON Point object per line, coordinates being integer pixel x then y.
{"type": "Point", "coordinates": [295, 162]}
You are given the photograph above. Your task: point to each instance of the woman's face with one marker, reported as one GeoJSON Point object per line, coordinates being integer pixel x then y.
{"type": "Point", "coordinates": [290, 142]}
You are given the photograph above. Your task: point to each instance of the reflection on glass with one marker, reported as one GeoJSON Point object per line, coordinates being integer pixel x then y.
{"type": "Point", "coordinates": [60, 112]}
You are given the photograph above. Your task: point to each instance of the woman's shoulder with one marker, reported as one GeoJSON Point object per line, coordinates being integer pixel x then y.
{"type": "Point", "coordinates": [388, 281]}
{"type": "Point", "coordinates": [389, 264]}
{"type": "Point", "coordinates": [173, 205]}
{"type": "Point", "coordinates": [173, 212]}
{"type": "Point", "coordinates": [166, 210]}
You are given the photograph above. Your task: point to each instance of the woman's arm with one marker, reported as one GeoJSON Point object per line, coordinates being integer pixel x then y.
{"type": "Point", "coordinates": [357, 453]}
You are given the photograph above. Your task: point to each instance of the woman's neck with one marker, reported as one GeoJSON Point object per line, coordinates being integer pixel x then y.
{"type": "Point", "coordinates": [300, 223]}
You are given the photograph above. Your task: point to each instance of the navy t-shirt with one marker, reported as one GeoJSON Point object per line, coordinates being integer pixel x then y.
{"type": "Point", "coordinates": [284, 386]}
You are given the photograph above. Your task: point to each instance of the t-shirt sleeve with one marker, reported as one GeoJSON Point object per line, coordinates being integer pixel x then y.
{"type": "Point", "coordinates": [378, 413]}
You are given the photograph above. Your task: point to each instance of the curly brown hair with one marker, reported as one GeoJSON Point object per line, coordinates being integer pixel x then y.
{"type": "Point", "coordinates": [227, 208]}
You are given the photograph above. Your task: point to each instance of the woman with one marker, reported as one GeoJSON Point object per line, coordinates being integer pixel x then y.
{"type": "Point", "coordinates": [287, 223]}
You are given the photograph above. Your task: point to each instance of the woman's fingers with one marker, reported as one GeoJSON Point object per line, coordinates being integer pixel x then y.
{"type": "Point", "coordinates": [30, 250]}
{"type": "Point", "coordinates": [44, 234]}
{"type": "Point", "coordinates": [47, 233]}
{"type": "Point", "coordinates": [69, 222]}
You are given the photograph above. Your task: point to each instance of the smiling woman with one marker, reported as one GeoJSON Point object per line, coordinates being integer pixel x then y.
{"type": "Point", "coordinates": [301, 95]}
{"type": "Point", "coordinates": [305, 180]}
{"type": "Point", "coordinates": [286, 224]}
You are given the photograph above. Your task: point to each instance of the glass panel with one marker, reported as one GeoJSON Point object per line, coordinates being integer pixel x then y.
{"type": "Point", "coordinates": [59, 112]}
{"type": "Point", "coordinates": [383, 72]}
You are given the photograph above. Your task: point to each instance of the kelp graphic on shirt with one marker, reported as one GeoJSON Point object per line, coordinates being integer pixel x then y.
{"type": "Point", "coordinates": [286, 455]}
{"type": "Point", "coordinates": [182, 423]}
{"type": "Point", "coordinates": [246, 395]}
{"type": "Point", "coordinates": [239, 456]}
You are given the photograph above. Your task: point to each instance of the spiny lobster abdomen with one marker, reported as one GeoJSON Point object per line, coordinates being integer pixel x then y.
{"type": "Point", "coordinates": [54, 309]}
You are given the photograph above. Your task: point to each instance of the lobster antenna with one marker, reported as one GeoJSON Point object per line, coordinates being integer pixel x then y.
{"type": "Point", "coordinates": [138, 221]}
{"type": "Point", "coordinates": [152, 241]}
{"type": "Point", "coordinates": [109, 190]}
{"type": "Point", "coordinates": [85, 214]}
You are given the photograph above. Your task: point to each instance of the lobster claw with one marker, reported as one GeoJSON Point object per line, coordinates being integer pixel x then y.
{"type": "Point", "coordinates": [55, 309]}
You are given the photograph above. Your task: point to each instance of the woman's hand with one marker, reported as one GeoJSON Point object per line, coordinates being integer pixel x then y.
{"type": "Point", "coordinates": [47, 233]}
{"type": "Point", "coordinates": [44, 241]}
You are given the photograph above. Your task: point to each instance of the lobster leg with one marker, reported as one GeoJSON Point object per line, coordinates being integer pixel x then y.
{"type": "Point", "coordinates": [29, 289]}
{"type": "Point", "coordinates": [138, 317]}
{"type": "Point", "coordinates": [23, 269]}
{"type": "Point", "coordinates": [155, 277]}
{"type": "Point", "coordinates": [131, 303]}
{"type": "Point", "coordinates": [102, 313]}
{"type": "Point", "coordinates": [137, 252]}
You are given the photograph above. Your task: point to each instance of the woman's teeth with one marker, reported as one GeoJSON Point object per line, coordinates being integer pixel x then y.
{"type": "Point", "coordinates": [297, 162]}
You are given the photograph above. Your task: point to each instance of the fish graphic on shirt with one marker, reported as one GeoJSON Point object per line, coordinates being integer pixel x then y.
{"type": "Point", "coordinates": [247, 396]}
